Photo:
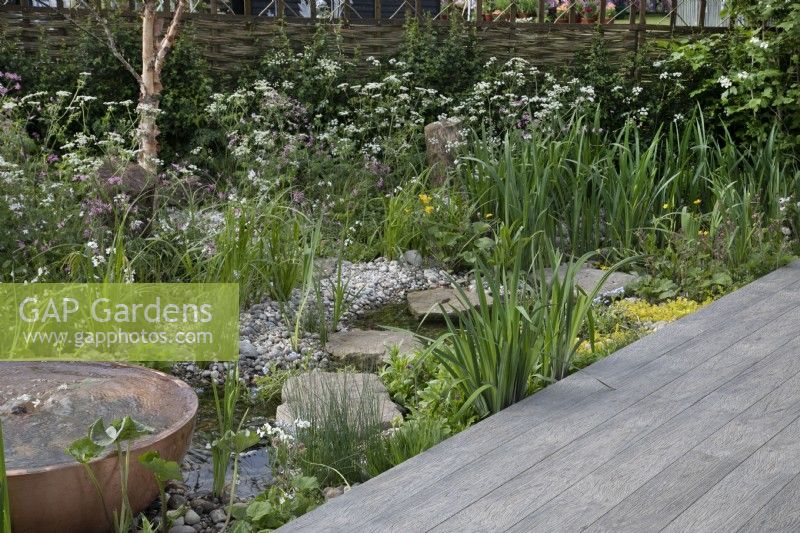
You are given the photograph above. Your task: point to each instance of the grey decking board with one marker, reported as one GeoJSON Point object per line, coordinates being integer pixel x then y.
{"type": "Point", "coordinates": [583, 503]}
{"type": "Point", "coordinates": [491, 470]}
{"type": "Point", "coordinates": [753, 483]}
{"type": "Point", "coordinates": [780, 513]}
{"type": "Point", "coordinates": [506, 505]}
{"type": "Point", "coordinates": [684, 482]}
{"type": "Point", "coordinates": [372, 505]}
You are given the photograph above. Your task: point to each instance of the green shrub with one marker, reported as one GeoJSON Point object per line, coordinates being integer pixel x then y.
{"type": "Point", "coordinates": [404, 442]}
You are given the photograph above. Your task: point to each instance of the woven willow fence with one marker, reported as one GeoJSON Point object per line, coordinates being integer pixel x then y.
{"type": "Point", "coordinates": [230, 40]}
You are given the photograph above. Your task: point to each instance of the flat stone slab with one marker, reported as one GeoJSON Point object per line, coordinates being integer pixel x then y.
{"type": "Point", "coordinates": [588, 278]}
{"type": "Point", "coordinates": [435, 303]}
{"type": "Point", "coordinates": [311, 395]}
{"type": "Point", "coordinates": [368, 349]}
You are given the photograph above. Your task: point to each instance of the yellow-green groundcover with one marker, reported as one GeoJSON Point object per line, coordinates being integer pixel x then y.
{"type": "Point", "coordinates": [119, 322]}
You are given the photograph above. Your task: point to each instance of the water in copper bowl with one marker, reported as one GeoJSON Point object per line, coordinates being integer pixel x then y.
{"type": "Point", "coordinates": [46, 406]}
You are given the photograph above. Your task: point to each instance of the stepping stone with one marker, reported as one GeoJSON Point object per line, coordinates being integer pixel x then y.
{"type": "Point", "coordinates": [435, 303]}
{"type": "Point", "coordinates": [360, 395]}
{"type": "Point", "coordinates": [368, 349]}
{"type": "Point", "coordinates": [588, 278]}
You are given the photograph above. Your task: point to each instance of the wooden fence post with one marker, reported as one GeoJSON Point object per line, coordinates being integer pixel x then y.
{"type": "Point", "coordinates": [603, 5]}
{"type": "Point", "coordinates": [279, 9]}
{"type": "Point", "coordinates": [213, 7]}
{"type": "Point", "coordinates": [478, 11]}
{"type": "Point", "coordinates": [248, 7]}
{"type": "Point", "coordinates": [642, 34]}
{"type": "Point", "coordinates": [312, 4]}
{"type": "Point", "coordinates": [541, 12]}
{"type": "Point", "coordinates": [702, 15]}
{"type": "Point", "coordinates": [631, 12]}
{"type": "Point", "coordinates": [572, 14]}
{"type": "Point", "coordinates": [377, 10]}
{"type": "Point", "coordinates": [418, 9]}
{"type": "Point", "coordinates": [673, 14]}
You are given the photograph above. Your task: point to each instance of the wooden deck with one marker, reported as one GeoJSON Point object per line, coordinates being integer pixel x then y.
{"type": "Point", "coordinates": [694, 428]}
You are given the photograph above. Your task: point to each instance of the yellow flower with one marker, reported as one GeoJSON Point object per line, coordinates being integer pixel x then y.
{"type": "Point", "coordinates": [668, 311]}
{"type": "Point", "coordinates": [428, 209]}
{"type": "Point", "coordinates": [697, 202]}
{"type": "Point", "coordinates": [702, 233]}
{"type": "Point", "coordinates": [487, 216]}
{"type": "Point", "coordinates": [425, 199]}
{"type": "Point", "coordinates": [665, 206]}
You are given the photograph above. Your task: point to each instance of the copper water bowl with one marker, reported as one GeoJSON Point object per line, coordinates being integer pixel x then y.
{"type": "Point", "coordinates": [59, 496]}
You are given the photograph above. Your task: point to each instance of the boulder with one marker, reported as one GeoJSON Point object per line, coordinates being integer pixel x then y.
{"type": "Point", "coordinates": [367, 349]}
{"type": "Point", "coordinates": [118, 176]}
{"type": "Point", "coordinates": [588, 278]}
{"type": "Point", "coordinates": [412, 257]}
{"type": "Point", "coordinates": [435, 303]}
{"type": "Point", "coordinates": [441, 139]}
{"type": "Point", "coordinates": [318, 395]}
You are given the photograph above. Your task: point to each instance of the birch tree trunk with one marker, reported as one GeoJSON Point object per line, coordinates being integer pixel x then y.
{"type": "Point", "coordinates": [154, 53]}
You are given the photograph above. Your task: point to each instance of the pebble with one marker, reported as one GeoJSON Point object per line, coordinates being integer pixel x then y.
{"type": "Point", "coordinates": [217, 516]}
{"type": "Point", "coordinates": [332, 492]}
{"type": "Point", "coordinates": [182, 529]}
{"type": "Point", "coordinates": [175, 501]}
{"type": "Point", "coordinates": [203, 506]}
{"type": "Point", "coordinates": [191, 518]}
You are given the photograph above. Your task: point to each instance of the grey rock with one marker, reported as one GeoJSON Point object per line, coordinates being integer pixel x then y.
{"type": "Point", "coordinates": [246, 349]}
{"type": "Point", "coordinates": [175, 501]}
{"type": "Point", "coordinates": [441, 137]}
{"type": "Point", "coordinates": [332, 492]}
{"type": "Point", "coordinates": [182, 529]}
{"type": "Point", "coordinates": [203, 506]}
{"type": "Point", "coordinates": [133, 180]}
{"type": "Point", "coordinates": [367, 349]}
{"type": "Point", "coordinates": [588, 278]}
{"type": "Point", "coordinates": [413, 258]}
{"type": "Point", "coordinates": [191, 518]}
{"type": "Point", "coordinates": [309, 395]}
{"type": "Point", "coordinates": [658, 325]}
{"type": "Point", "coordinates": [435, 303]}
{"type": "Point", "coordinates": [217, 516]}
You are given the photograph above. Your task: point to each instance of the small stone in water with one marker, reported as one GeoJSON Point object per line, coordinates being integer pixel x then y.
{"type": "Point", "coordinates": [204, 506]}
{"type": "Point", "coordinates": [191, 518]}
{"type": "Point", "coordinates": [217, 516]}
{"type": "Point", "coordinates": [182, 529]}
{"type": "Point", "coordinates": [175, 501]}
